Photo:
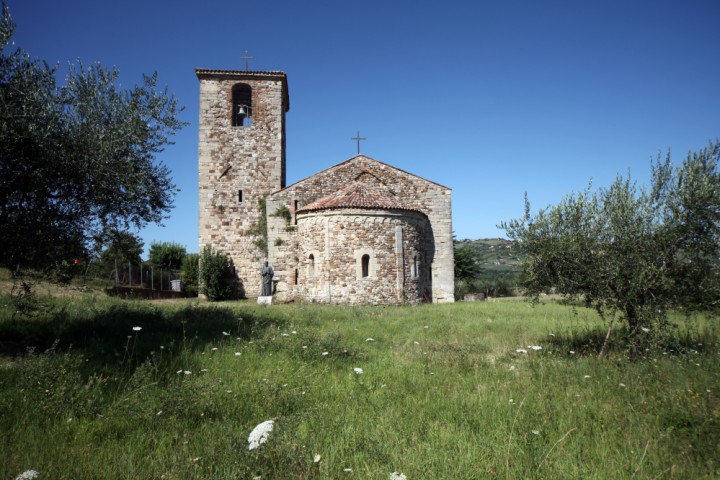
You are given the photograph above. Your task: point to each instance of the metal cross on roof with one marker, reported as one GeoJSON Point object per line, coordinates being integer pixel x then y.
{"type": "Point", "coordinates": [358, 138]}
{"type": "Point", "coordinates": [246, 57]}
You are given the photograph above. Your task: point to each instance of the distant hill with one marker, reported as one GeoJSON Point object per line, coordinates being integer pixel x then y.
{"type": "Point", "coordinates": [499, 259]}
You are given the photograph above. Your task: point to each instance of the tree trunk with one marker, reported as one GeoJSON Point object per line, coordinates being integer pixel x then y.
{"type": "Point", "coordinates": [607, 337]}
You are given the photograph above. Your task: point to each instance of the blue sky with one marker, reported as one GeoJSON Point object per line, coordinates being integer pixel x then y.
{"type": "Point", "coordinates": [492, 99]}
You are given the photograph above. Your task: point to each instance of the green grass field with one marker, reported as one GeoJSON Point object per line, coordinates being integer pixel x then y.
{"type": "Point", "coordinates": [443, 393]}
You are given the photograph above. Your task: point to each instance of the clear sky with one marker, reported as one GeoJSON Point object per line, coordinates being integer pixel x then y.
{"type": "Point", "coordinates": [492, 99]}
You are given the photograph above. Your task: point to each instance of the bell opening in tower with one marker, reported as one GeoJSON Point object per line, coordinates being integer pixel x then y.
{"type": "Point", "coordinates": [242, 109]}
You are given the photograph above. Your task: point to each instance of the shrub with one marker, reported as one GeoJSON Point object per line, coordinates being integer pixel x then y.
{"type": "Point", "coordinates": [217, 281]}
{"type": "Point", "coordinates": [190, 273]}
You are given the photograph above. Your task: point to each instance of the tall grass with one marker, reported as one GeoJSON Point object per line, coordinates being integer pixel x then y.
{"type": "Point", "coordinates": [443, 394]}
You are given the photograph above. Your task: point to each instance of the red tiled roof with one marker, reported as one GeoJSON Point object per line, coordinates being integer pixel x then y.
{"type": "Point", "coordinates": [359, 194]}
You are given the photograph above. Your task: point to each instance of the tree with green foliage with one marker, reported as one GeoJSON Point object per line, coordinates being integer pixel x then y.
{"type": "Point", "coordinates": [76, 160]}
{"type": "Point", "coordinates": [190, 273]}
{"type": "Point", "coordinates": [467, 265]}
{"type": "Point", "coordinates": [467, 268]}
{"type": "Point", "coordinates": [167, 255]}
{"type": "Point", "coordinates": [217, 281]}
{"type": "Point", "coordinates": [123, 247]}
{"type": "Point", "coordinates": [631, 250]}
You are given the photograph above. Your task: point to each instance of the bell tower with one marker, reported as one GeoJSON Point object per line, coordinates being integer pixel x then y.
{"type": "Point", "coordinates": [241, 159]}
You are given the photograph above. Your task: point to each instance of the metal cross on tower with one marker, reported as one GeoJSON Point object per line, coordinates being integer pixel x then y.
{"type": "Point", "coordinates": [358, 138]}
{"type": "Point", "coordinates": [246, 57]}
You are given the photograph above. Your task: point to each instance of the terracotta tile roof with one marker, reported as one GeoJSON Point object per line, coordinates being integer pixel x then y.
{"type": "Point", "coordinates": [246, 73]}
{"type": "Point", "coordinates": [359, 194]}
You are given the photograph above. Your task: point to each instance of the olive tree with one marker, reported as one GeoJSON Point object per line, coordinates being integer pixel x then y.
{"type": "Point", "coordinates": [77, 160]}
{"type": "Point", "coordinates": [636, 251]}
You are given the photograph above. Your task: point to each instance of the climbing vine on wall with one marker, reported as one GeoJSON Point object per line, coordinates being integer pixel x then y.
{"type": "Point", "coordinates": [259, 228]}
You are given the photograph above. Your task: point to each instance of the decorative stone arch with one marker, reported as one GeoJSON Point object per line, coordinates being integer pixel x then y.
{"type": "Point", "coordinates": [365, 263]}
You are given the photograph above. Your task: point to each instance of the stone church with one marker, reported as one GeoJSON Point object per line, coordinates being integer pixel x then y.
{"type": "Point", "coordinates": [358, 232]}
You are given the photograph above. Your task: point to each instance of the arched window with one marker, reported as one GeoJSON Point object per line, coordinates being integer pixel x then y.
{"type": "Point", "coordinates": [415, 267]}
{"type": "Point", "coordinates": [242, 108]}
{"type": "Point", "coordinates": [365, 265]}
{"type": "Point", "coordinates": [311, 265]}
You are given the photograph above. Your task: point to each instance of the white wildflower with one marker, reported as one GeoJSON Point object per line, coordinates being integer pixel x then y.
{"type": "Point", "coordinates": [572, 352]}
{"type": "Point", "coordinates": [397, 476]}
{"type": "Point", "coordinates": [137, 329]}
{"type": "Point", "coordinates": [535, 432]}
{"type": "Point", "coordinates": [586, 376]}
{"type": "Point", "coordinates": [214, 349]}
{"type": "Point", "coordinates": [294, 332]}
{"type": "Point", "coordinates": [416, 342]}
{"type": "Point", "coordinates": [512, 367]}
{"type": "Point", "coordinates": [358, 371]}
{"type": "Point", "coordinates": [226, 333]}
{"type": "Point", "coordinates": [425, 326]}
{"type": "Point", "coordinates": [179, 371]}
{"type": "Point", "coordinates": [521, 350]}
{"type": "Point", "coordinates": [237, 354]}
{"type": "Point", "coordinates": [284, 334]}
{"type": "Point", "coordinates": [325, 353]}
{"type": "Point", "coordinates": [622, 385]}
{"type": "Point", "coordinates": [644, 329]}
{"type": "Point", "coordinates": [260, 434]}
{"type": "Point", "coordinates": [347, 470]}
{"type": "Point", "coordinates": [535, 347]}
{"type": "Point", "coordinates": [28, 475]}
{"type": "Point", "coordinates": [304, 347]}
{"type": "Point", "coordinates": [187, 372]}
{"type": "Point", "coordinates": [316, 458]}
{"type": "Point", "coordinates": [369, 339]}
{"type": "Point", "coordinates": [551, 334]}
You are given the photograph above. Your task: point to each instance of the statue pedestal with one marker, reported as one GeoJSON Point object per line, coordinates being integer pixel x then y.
{"type": "Point", "coordinates": [264, 300]}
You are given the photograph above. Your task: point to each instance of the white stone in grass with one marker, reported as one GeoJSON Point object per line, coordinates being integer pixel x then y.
{"type": "Point", "coordinates": [28, 475]}
{"type": "Point", "coordinates": [260, 434]}
{"type": "Point", "coordinates": [397, 476]}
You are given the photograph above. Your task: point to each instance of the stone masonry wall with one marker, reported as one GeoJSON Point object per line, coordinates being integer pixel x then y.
{"type": "Point", "coordinates": [432, 199]}
{"type": "Point", "coordinates": [337, 240]}
{"type": "Point", "coordinates": [235, 159]}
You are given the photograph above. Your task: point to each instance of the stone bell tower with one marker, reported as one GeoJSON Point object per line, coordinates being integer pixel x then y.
{"type": "Point", "coordinates": [241, 159]}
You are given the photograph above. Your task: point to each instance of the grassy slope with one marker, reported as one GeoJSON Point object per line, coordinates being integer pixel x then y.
{"type": "Point", "coordinates": [444, 394]}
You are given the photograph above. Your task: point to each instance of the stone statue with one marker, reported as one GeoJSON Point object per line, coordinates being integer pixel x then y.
{"type": "Point", "coordinates": [267, 276]}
